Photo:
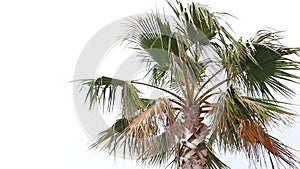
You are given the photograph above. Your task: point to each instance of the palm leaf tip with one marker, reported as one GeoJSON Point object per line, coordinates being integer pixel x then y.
{"type": "Point", "coordinates": [256, 135]}
{"type": "Point", "coordinates": [213, 162]}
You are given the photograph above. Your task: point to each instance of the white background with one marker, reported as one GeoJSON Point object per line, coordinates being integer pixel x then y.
{"type": "Point", "coordinates": [40, 42]}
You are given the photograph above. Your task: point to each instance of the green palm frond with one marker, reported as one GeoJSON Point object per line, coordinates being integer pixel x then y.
{"type": "Point", "coordinates": [233, 56]}
{"type": "Point", "coordinates": [213, 162]}
{"type": "Point", "coordinates": [103, 90]}
{"type": "Point", "coordinates": [107, 138]}
{"type": "Point", "coordinates": [240, 123]}
{"type": "Point", "coordinates": [98, 88]}
{"type": "Point", "coordinates": [198, 23]}
{"type": "Point", "coordinates": [152, 34]}
{"type": "Point", "coordinates": [154, 40]}
{"type": "Point", "coordinates": [271, 67]}
{"type": "Point", "coordinates": [161, 159]}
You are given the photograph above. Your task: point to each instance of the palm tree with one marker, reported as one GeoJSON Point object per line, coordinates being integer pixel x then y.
{"type": "Point", "coordinates": [220, 93]}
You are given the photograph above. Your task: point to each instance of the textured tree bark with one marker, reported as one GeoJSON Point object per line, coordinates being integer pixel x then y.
{"type": "Point", "coordinates": [193, 150]}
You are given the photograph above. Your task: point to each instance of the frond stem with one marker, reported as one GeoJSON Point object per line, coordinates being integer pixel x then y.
{"type": "Point", "coordinates": [217, 85]}
{"type": "Point", "coordinates": [208, 80]}
{"type": "Point", "coordinates": [164, 90]}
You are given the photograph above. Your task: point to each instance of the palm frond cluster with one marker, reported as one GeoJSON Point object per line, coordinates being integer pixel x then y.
{"type": "Point", "coordinates": [221, 92]}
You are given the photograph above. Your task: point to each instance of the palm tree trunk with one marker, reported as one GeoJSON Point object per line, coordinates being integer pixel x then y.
{"type": "Point", "coordinates": [193, 150]}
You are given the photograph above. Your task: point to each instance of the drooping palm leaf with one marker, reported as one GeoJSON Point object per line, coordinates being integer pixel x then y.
{"type": "Point", "coordinates": [103, 91]}
{"type": "Point", "coordinates": [240, 123]}
{"type": "Point", "coordinates": [146, 128]}
{"type": "Point", "coordinates": [146, 133]}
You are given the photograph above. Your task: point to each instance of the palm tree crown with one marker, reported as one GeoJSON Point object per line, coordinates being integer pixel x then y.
{"type": "Point", "coordinates": [220, 93]}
